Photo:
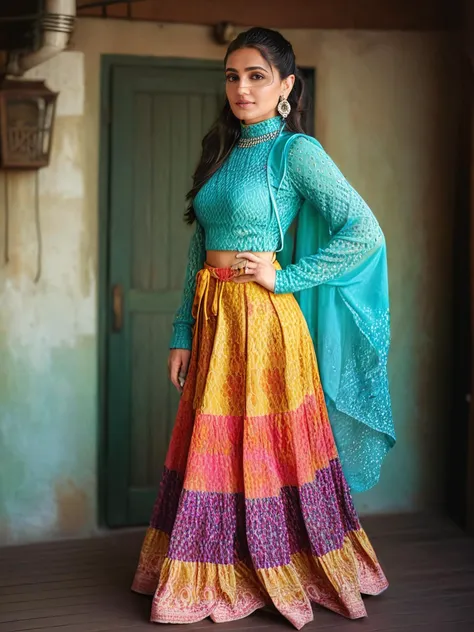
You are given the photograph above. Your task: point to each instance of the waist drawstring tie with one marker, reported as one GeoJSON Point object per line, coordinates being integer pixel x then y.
{"type": "Point", "coordinates": [203, 282]}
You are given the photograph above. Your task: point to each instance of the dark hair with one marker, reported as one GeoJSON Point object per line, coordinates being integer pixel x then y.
{"type": "Point", "coordinates": [223, 135]}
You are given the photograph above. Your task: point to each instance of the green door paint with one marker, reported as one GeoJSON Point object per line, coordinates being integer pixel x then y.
{"type": "Point", "coordinates": [158, 118]}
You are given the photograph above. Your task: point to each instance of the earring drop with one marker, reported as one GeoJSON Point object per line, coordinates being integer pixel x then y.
{"type": "Point", "coordinates": [283, 107]}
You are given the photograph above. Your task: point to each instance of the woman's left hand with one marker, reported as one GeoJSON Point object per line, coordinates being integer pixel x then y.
{"type": "Point", "coordinates": [258, 270]}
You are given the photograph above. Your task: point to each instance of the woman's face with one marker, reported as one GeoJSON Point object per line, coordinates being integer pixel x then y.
{"type": "Point", "coordinates": [253, 86]}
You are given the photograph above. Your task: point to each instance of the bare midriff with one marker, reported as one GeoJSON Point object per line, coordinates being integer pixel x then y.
{"type": "Point", "coordinates": [227, 258]}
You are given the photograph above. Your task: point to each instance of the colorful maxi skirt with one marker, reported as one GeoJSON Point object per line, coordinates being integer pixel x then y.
{"type": "Point", "coordinates": [253, 508]}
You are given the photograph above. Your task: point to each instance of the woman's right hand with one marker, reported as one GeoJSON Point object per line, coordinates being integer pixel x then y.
{"type": "Point", "coordinates": [178, 363]}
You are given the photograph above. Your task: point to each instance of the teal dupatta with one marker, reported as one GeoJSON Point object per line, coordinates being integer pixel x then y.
{"type": "Point", "coordinates": [348, 319]}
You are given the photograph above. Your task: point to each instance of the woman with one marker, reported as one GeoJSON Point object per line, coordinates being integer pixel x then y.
{"type": "Point", "coordinates": [254, 508]}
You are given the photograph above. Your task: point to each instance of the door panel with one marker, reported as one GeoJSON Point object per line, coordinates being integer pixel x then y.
{"type": "Point", "coordinates": [159, 117]}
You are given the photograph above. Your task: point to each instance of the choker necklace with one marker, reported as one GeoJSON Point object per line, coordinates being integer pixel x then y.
{"type": "Point", "coordinates": [250, 142]}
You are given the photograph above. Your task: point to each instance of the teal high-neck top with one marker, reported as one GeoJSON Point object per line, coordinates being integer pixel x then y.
{"type": "Point", "coordinates": [234, 206]}
{"type": "Point", "coordinates": [235, 211]}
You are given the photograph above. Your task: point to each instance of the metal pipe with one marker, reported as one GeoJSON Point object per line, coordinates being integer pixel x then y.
{"type": "Point", "coordinates": [57, 24]}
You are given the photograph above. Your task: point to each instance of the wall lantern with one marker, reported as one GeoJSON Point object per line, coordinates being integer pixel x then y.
{"type": "Point", "coordinates": [27, 111]}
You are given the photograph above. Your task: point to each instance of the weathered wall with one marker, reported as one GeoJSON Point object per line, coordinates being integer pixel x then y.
{"type": "Point", "coordinates": [48, 334]}
{"type": "Point", "coordinates": [384, 111]}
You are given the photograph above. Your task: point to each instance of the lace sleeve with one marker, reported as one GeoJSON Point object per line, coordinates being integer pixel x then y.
{"type": "Point", "coordinates": [183, 322]}
{"type": "Point", "coordinates": [354, 231]}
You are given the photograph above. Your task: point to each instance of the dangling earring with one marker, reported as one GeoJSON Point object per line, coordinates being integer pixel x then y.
{"type": "Point", "coordinates": [283, 107]}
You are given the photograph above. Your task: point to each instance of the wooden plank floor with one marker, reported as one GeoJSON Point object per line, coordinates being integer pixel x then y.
{"type": "Point", "coordinates": [83, 586]}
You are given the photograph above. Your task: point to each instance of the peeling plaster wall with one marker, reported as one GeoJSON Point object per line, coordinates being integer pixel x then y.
{"type": "Point", "coordinates": [385, 111]}
{"type": "Point", "coordinates": [48, 421]}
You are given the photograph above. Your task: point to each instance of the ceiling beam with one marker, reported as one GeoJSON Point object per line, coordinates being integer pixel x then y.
{"type": "Point", "coordinates": [318, 14]}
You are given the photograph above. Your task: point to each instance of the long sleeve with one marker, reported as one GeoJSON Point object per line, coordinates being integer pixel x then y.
{"type": "Point", "coordinates": [183, 322]}
{"type": "Point", "coordinates": [354, 231]}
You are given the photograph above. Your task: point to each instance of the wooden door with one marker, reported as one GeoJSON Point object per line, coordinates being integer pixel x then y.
{"type": "Point", "coordinates": [157, 121]}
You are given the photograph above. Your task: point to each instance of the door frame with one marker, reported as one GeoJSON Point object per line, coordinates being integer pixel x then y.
{"type": "Point", "coordinates": [108, 64]}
